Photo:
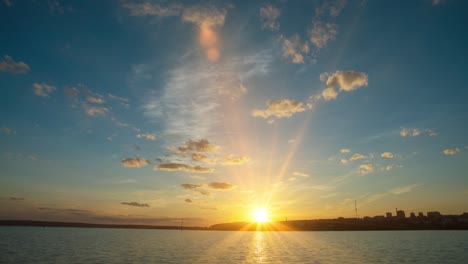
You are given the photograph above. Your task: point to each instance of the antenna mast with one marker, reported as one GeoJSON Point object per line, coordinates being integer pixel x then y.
{"type": "Point", "coordinates": [355, 207]}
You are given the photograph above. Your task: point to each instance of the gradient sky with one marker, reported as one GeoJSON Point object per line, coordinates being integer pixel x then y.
{"type": "Point", "coordinates": [152, 111]}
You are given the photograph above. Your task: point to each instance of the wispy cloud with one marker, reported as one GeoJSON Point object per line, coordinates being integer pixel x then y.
{"type": "Point", "coordinates": [293, 49]}
{"type": "Point", "coordinates": [42, 89]}
{"type": "Point", "coordinates": [357, 156]}
{"type": "Point", "coordinates": [330, 8]}
{"type": "Point", "coordinates": [280, 108]}
{"type": "Point", "coordinates": [235, 160]}
{"type": "Point", "coordinates": [269, 16]}
{"type": "Point", "coordinates": [134, 162]}
{"type": "Point", "coordinates": [451, 151]}
{"type": "Point", "coordinates": [404, 189]}
{"type": "Point", "coordinates": [321, 33]}
{"type": "Point", "coordinates": [366, 168]}
{"type": "Point", "coordinates": [95, 100]}
{"type": "Point", "coordinates": [202, 145]}
{"type": "Point", "coordinates": [136, 204]}
{"type": "Point", "coordinates": [95, 110]}
{"type": "Point", "coordinates": [345, 150]}
{"type": "Point", "coordinates": [188, 200]}
{"type": "Point", "coordinates": [152, 9]}
{"type": "Point", "coordinates": [182, 167]}
{"type": "Point", "coordinates": [300, 174]}
{"type": "Point", "coordinates": [414, 132]}
{"type": "Point", "coordinates": [220, 185]}
{"type": "Point", "coordinates": [387, 155]}
{"type": "Point", "coordinates": [11, 66]}
{"type": "Point", "coordinates": [148, 136]}
{"type": "Point", "coordinates": [7, 130]}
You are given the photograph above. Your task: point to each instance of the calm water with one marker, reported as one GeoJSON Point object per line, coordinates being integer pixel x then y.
{"type": "Point", "coordinates": [83, 245]}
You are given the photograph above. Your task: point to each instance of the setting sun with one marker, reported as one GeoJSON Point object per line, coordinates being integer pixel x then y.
{"type": "Point", "coordinates": [260, 215]}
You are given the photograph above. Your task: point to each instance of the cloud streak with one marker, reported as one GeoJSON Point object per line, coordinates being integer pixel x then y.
{"type": "Point", "coordinates": [135, 204]}
{"type": "Point", "coordinates": [11, 66]}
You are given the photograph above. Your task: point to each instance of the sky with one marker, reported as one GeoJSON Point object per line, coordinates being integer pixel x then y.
{"type": "Point", "coordinates": [157, 112]}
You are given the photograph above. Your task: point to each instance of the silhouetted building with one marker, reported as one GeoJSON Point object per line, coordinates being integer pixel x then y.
{"type": "Point", "coordinates": [433, 215]}
{"type": "Point", "coordinates": [388, 215]}
{"type": "Point", "coordinates": [412, 215]}
{"type": "Point", "coordinates": [400, 214]}
{"type": "Point", "coordinates": [421, 214]}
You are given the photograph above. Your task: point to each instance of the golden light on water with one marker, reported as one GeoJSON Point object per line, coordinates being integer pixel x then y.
{"type": "Point", "coordinates": [260, 215]}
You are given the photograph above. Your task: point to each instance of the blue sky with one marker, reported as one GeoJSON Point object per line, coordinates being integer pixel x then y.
{"type": "Point", "coordinates": [152, 111]}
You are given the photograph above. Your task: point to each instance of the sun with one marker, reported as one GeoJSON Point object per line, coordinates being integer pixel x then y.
{"type": "Point", "coordinates": [260, 215]}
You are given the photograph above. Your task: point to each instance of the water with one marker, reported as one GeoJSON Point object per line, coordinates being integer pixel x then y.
{"type": "Point", "coordinates": [88, 245]}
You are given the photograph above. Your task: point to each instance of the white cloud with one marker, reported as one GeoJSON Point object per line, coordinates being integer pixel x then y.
{"type": "Point", "coordinates": [321, 33]}
{"type": "Point", "coordinates": [269, 16]}
{"type": "Point", "coordinates": [331, 8]}
{"type": "Point", "coordinates": [410, 132]}
{"type": "Point", "coordinates": [152, 9]}
{"type": "Point", "coordinates": [294, 49]}
{"type": "Point", "coordinates": [451, 151]}
{"type": "Point", "coordinates": [95, 100]}
{"type": "Point", "coordinates": [42, 89]}
{"type": "Point", "coordinates": [404, 189]}
{"type": "Point", "coordinates": [344, 161]}
{"type": "Point", "coordinates": [387, 155]}
{"type": "Point", "coordinates": [345, 150]}
{"type": "Point", "coordinates": [148, 136]}
{"type": "Point", "coordinates": [342, 81]}
{"type": "Point", "coordinates": [134, 162]}
{"type": "Point", "coordinates": [190, 104]}
{"type": "Point", "coordinates": [11, 66]}
{"type": "Point", "coordinates": [357, 156]}
{"type": "Point", "coordinates": [280, 108]}
{"type": "Point", "coordinates": [366, 168]}
{"type": "Point", "coordinates": [300, 174]}
{"type": "Point", "coordinates": [95, 110]}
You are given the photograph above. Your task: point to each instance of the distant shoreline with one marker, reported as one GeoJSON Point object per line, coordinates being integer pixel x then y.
{"type": "Point", "coordinates": [298, 225]}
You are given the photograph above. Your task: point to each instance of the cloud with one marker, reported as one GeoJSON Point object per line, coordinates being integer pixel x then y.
{"type": "Point", "coordinates": [135, 204]}
{"type": "Point", "coordinates": [387, 155]}
{"type": "Point", "coordinates": [152, 9]}
{"type": "Point", "coordinates": [196, 177]}
{"type": "Point", "coordinates": [451, 151]}
{"type": "Point", "coordinates": [321, 33]}
{"type": "Point", "coordinates": [95, 100]}
{"type": "Point", "coordinates": [43, 90]}
{"type": "Point", "coordinates": [189, 186]}
{"type": "Point", "coordinates": [331, 8]}
{"type": "Point", "coordinates": [345, 150]}
{"type": "Point", "coordinates": [11, 66]}
{"type": "Point", "coordinates": [182, 167]}
{"type": "Point", "coordinates": [95, 110]}
{"type": "Point", "coordinates": [220, 185]}
{"type": "Point", "coordinates": [294, 49]}
{"type": "Point", "coordinates": [8, 3]}
{"type": "Point", "coordinates": [202, 145]}
{"type": "Point", "coordinates": [16, 199]}
{"type": "Point", "coordinates": [191, 103]}
{"type": "Point", "coordinates": [188, 200]}
{"type": "Point", "coordinates": [207, 19]}
{"type": "Point", "coordinates": [269, 16]}
{"type": "Point", "coordinates": [357, 156]}
{"type": "Point", "coordinates": [134, 162]}
{"type": "Point", "coordinates": [72, 92]}
{"type": "Point", "coordinates": [366, 168]}
{"type": "Point", "coordinates": [235, 160]}
{"type": "Point", "coordinates": [342, 81]}
{"type": "Point", "coordinates": [437, 2]}
{"type": "Point", "coordinates": [55, 6]}
{"type": "Point", "coordinates": [148, 136]}
{"type": "Point", "coordinates": [410, 132]}
{"type": "Point", "coordinates": [280, 108]}
{"type": "Point", "coordinates": [404, 189]}
{"type": "Point", "coordinates": [300, 174]}
{"type": "Point", "coordinates": [414, 132]}
{"type": "Point", "coordinates": [7, 130]}
{"type": "Point", "coordinates": [344, 161]}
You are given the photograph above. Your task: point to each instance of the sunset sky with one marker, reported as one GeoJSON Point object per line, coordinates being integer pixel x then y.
{"type": "Point", "coordinates": [147, 112]}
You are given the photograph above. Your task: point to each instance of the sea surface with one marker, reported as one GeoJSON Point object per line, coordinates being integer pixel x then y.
{"type": "Point", "coordinates": [96, 245]}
